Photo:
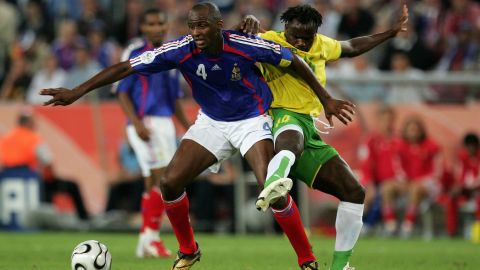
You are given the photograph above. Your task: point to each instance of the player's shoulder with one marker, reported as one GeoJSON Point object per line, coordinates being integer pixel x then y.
{"type": "Point", "coordinates": [237, 38]}
{"type": "Point", "coordinates": [179, 45]}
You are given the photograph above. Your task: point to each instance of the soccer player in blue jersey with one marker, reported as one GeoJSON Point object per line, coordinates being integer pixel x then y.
{"type": "Point", "coordinates": [220, 67]}
{"type": "Point", "coordinates": [149, 103]}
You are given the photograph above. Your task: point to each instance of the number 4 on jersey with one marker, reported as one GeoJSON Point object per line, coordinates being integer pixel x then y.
{"type": "Point", "coordinates": [201, 71]}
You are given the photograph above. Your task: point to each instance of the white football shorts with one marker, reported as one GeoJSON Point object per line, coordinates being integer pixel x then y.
{"type": "Point", "coordinates": [223, 139]}
{"type": "Point", "coordinates": [157, 152]}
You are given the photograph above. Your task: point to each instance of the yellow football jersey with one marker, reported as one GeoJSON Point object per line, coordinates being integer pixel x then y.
{"type": "Point", "coordinates": [289, 90]}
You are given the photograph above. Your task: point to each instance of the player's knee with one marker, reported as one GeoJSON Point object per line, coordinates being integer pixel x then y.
{"type": "Point", "coordinates": [296, 147]}
{"type": "Point", "coordinates": [170, 187]}
{"type": "Point", "coordinates": [355, 194]}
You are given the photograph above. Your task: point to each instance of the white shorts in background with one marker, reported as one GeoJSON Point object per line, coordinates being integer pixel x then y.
{"type": "Point", "coordinates": [157, 152]}
{"type": "Point", "coordinates": [223, 139]}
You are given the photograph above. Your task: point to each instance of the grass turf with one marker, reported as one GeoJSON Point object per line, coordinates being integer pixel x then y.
{"type": "Point", "coordinates": [47, 250]}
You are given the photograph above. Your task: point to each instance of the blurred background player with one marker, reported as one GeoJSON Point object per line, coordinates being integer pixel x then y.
{"type": "Point", "coordinates": [380, 162]}
{"type": "Point", "coordinates": [299, 148]}
{"type": "Point", "coordinates": [420, 161]}
{"type": "Point", "coordinates": [467, 185]}
{"type": "Point", "coordinates": [149, 103]}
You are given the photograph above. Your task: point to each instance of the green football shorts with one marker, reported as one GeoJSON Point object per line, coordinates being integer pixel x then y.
{"type": "Point", "coordinates": [316, 152]}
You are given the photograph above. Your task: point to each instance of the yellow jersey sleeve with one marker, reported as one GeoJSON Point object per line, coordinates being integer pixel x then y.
{"type": "Point", "coordinates": [330, 47]}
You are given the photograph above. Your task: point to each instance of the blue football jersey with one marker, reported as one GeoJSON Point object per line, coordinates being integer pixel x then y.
{"type": "Point", "coordinates": [227, 86]}
{"type": "Point", "coordinates": [152, 95]}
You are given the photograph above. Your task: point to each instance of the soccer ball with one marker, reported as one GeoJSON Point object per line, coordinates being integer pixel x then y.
{"type": "Point", "coordinates": [91, 255]}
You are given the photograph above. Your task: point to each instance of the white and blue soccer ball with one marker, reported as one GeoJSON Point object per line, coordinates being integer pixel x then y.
{"type": "Point", "coordinates": [91, 255]}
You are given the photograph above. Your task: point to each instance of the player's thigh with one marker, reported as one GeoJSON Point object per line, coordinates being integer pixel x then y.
{"type": "Point", "coordinates": [162, 140]}
{"type": "Point", "coordinates": [141, 148]}
{"type": "Point", "coordinates": [336, 178]}
{"type": "Point", "coordinates": [258, 157]}
{"type": "Point", "coordinates": [190, 159]}
{"type": "Point", "coordinates": [253, 137]}
{"type": "Point", "coordinates": [310, 162]}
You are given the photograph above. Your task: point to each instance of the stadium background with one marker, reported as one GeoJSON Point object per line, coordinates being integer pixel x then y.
{"type": "Point", "coordinates": [442, 42]}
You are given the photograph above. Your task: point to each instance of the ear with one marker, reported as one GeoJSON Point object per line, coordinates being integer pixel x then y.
{"type": "Point", "coordinates": [220, 24]}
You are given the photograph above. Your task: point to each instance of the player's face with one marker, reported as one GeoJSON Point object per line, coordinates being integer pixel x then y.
{"type": "Point", "coordinates": [300, 35]}
{"type": "Point", "coordinates": [202, 28]}
{"type": "Point", "coordinates": [155, 28]}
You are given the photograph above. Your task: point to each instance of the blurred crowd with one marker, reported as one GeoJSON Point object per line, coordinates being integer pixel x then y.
{"type": "Point", "coordinates": [52, 43]}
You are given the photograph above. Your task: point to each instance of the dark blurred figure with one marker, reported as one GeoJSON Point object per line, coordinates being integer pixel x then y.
{"type": "Point", "coordinates": [355, 21]}
{"type": "Point", "coordinates": [126, 194]}
{"type": "Point", "coordinates": [64, 44]}
{"type": "Point", "coordinates": [213, 199]}
{"type": "Point", "coordinates": [35, 23]}
{"type": "Point", "coordinates": [17, 81]}
{"type": "Point", "coordinates": [467, 182]}
{"type": "Point", "coordinates": [91, 12]}
{"type": "Point", "coordinates": [129, 26]}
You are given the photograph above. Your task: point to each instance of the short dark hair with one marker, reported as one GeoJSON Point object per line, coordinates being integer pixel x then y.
{"type": "Point", "coordinates": [151, 11]}
{"type": "Point", "coordinates": [471, 139]}
{"type": "Point", "coordinates": [305, 14]}
{"type": "Point", "coordinates": [213, 11]}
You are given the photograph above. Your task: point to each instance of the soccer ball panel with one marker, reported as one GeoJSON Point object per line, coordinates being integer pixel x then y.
{"type": "Point", "coordinates": [91, 255]}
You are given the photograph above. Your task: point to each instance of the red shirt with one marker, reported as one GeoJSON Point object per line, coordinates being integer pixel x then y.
{"type": "Point", "coordinates": [470, 167]}
{"type": "Point", "coordinates": [418, 159]}
{"type": "Point", "coordinates": [381, 161]}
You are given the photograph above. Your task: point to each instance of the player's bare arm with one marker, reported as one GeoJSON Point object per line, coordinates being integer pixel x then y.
{"type": "Point", "coordinates": [356, 46]}
{"type": "Point", "coordinates": [64, 96]}
{"type": "Point", "coordinates": [127, 106]}
{"type": "Point", "coordinates": [341, 109]}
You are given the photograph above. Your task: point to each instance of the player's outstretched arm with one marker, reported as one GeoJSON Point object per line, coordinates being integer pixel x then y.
{"type": "Point", "coordinates": [64, 96]}
{"type": "Point", "coordinates": [341, 109]}
{"type": "Point", "coordinates": [359, 45]}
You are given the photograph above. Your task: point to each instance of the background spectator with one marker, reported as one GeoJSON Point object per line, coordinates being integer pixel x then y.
{"type": "Point", "coordinates": [419, 158]}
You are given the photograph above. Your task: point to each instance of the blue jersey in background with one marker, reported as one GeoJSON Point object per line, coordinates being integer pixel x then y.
{"type": "Point", "coordinates": [154, 94]}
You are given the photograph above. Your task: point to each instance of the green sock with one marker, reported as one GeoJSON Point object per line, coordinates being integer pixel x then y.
{"type": "Point", "coordinates": [280, 172]}
{"type": "Point", "coordinates": [340, 259]}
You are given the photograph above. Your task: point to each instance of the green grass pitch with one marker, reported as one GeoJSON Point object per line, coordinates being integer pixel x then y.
{"type": "Point", "coordinates": [47, 250]}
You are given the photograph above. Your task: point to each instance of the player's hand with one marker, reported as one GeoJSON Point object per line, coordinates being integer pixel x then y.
{"type": "Point", "coordinates": [341, 109]}
{"type": "Point", "coordinates": [60, 96]}
{"type": "Point", "coordinates": [250, 25]}
{"type": "Point", "coordinates": [401, 25]}
{"type": "Point", "coordinates": [142, 132]}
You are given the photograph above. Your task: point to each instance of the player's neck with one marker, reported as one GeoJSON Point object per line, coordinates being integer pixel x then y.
{"type": "Point", "coordinates": [217, 46]}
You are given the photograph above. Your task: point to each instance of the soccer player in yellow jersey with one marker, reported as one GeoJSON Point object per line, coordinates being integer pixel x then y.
{"type": "Point", "coordinates": [301, 153]}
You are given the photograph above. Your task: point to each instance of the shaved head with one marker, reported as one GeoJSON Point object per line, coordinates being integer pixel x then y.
{"type": "Point", "coordinates": [213, 11]}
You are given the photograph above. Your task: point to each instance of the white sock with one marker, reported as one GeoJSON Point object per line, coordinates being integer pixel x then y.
{"type": "Point", "coordinates": [348, 225]}
{"type": "Point", "coordinates": [280, 165]}
{"type": "Point", "coordinates": [151, 235]}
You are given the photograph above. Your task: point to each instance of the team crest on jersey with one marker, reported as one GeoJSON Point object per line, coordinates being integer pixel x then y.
{"type": "Point", "coordinates": [147, 57]}
{"type": "Point", "coordinates": [236, 75]}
